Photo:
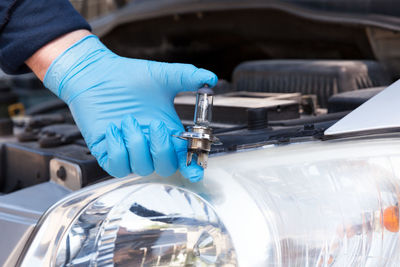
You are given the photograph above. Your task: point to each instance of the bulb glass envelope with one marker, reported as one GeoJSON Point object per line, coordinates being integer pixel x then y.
{"type": "Point", "coordinates": [203, 108]}
{"type": "Point", "coordinates": [331, 203]}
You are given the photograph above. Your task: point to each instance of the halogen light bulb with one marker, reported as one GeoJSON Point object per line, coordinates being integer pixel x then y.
{"type": "Point", "coordinates": [203, 110]}
{"type": "Point", "coordinates": [200, 136]}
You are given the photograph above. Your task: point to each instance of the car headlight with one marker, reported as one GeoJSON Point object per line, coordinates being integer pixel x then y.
{"type": "Point", "coordinates": [150, 225]}
{"type": "Point", "coordinates": [332, 203]}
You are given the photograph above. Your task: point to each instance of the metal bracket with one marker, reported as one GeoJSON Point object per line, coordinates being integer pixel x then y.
{"type": "Point", "coordinates": [66, 173]}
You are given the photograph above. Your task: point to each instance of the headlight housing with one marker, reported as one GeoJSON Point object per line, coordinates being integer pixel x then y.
{"type": "Point", "coordinates": [332, 203]}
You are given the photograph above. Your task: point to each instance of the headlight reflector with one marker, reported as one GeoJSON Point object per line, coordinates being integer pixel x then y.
{"type": "Point", "coordinates": [147, 225]}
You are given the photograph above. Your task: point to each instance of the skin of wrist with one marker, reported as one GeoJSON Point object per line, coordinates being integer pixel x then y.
{"type": "Point", "coordinates": [41, 60]}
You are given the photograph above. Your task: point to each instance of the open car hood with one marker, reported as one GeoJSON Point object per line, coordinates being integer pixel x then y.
{"type": "Point", "coordinates": [379, 13]}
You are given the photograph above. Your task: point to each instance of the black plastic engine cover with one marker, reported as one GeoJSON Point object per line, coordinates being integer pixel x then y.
{"type": "Point", "coordinates": [323, 78]}
{"type": "Point", "coordinates": [27, 164]}
{"type": "Point", "coordinates": [351, 100]}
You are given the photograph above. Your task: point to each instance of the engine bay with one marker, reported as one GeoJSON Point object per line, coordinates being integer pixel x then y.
{"type": "Point", "coordinates": [267, 102]}
{"type": "Point", "coordinates": [287, 82]}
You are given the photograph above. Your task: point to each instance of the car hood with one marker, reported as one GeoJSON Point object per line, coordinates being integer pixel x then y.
{"type": "Point", "coordinates": [378, 13]}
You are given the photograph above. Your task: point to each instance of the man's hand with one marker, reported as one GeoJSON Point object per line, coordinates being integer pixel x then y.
{"type": "Point", "coordinates": [124, 107]}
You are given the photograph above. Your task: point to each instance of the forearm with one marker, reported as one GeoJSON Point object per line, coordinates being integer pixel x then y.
{"type": "Point", "coordinates": [41, 60]}
{"type": "Point", "coordinates": [27, 26]}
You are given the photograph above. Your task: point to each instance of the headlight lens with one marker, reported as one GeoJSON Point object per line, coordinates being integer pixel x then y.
{"type": "Point", "coordinates": [334, 213]}
{"type": "Point", "coordinates": [331, 203]}
{"type": "Point", "coordinates": [147, 225]}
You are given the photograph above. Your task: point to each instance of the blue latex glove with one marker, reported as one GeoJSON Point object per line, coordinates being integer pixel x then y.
{"type": "Point", "coordinates": [124, 107]}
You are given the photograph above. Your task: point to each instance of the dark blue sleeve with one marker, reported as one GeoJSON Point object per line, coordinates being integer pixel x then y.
{"type": "Point", "coordinates": [27, 25]}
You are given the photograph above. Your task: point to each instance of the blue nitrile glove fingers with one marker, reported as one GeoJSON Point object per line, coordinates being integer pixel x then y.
{"type": "Point", "coordinates": [116, 160]}
{"type": "Point", "coordinates": [181, 77]}
{"type": "Point", "coordinates": [114, 101]}
{"type": "Point", "coordinates": [137, 146]}
{"type": "Point", "coordinates": [162, 149]}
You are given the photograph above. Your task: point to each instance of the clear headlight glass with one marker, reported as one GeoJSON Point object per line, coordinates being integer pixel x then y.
{"type": "Point", "coordinates": [335, 213]}
{"type": "Point", "coordinates": [332, 203]}
{"type": "Point", "coordinates": [147, 225]}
